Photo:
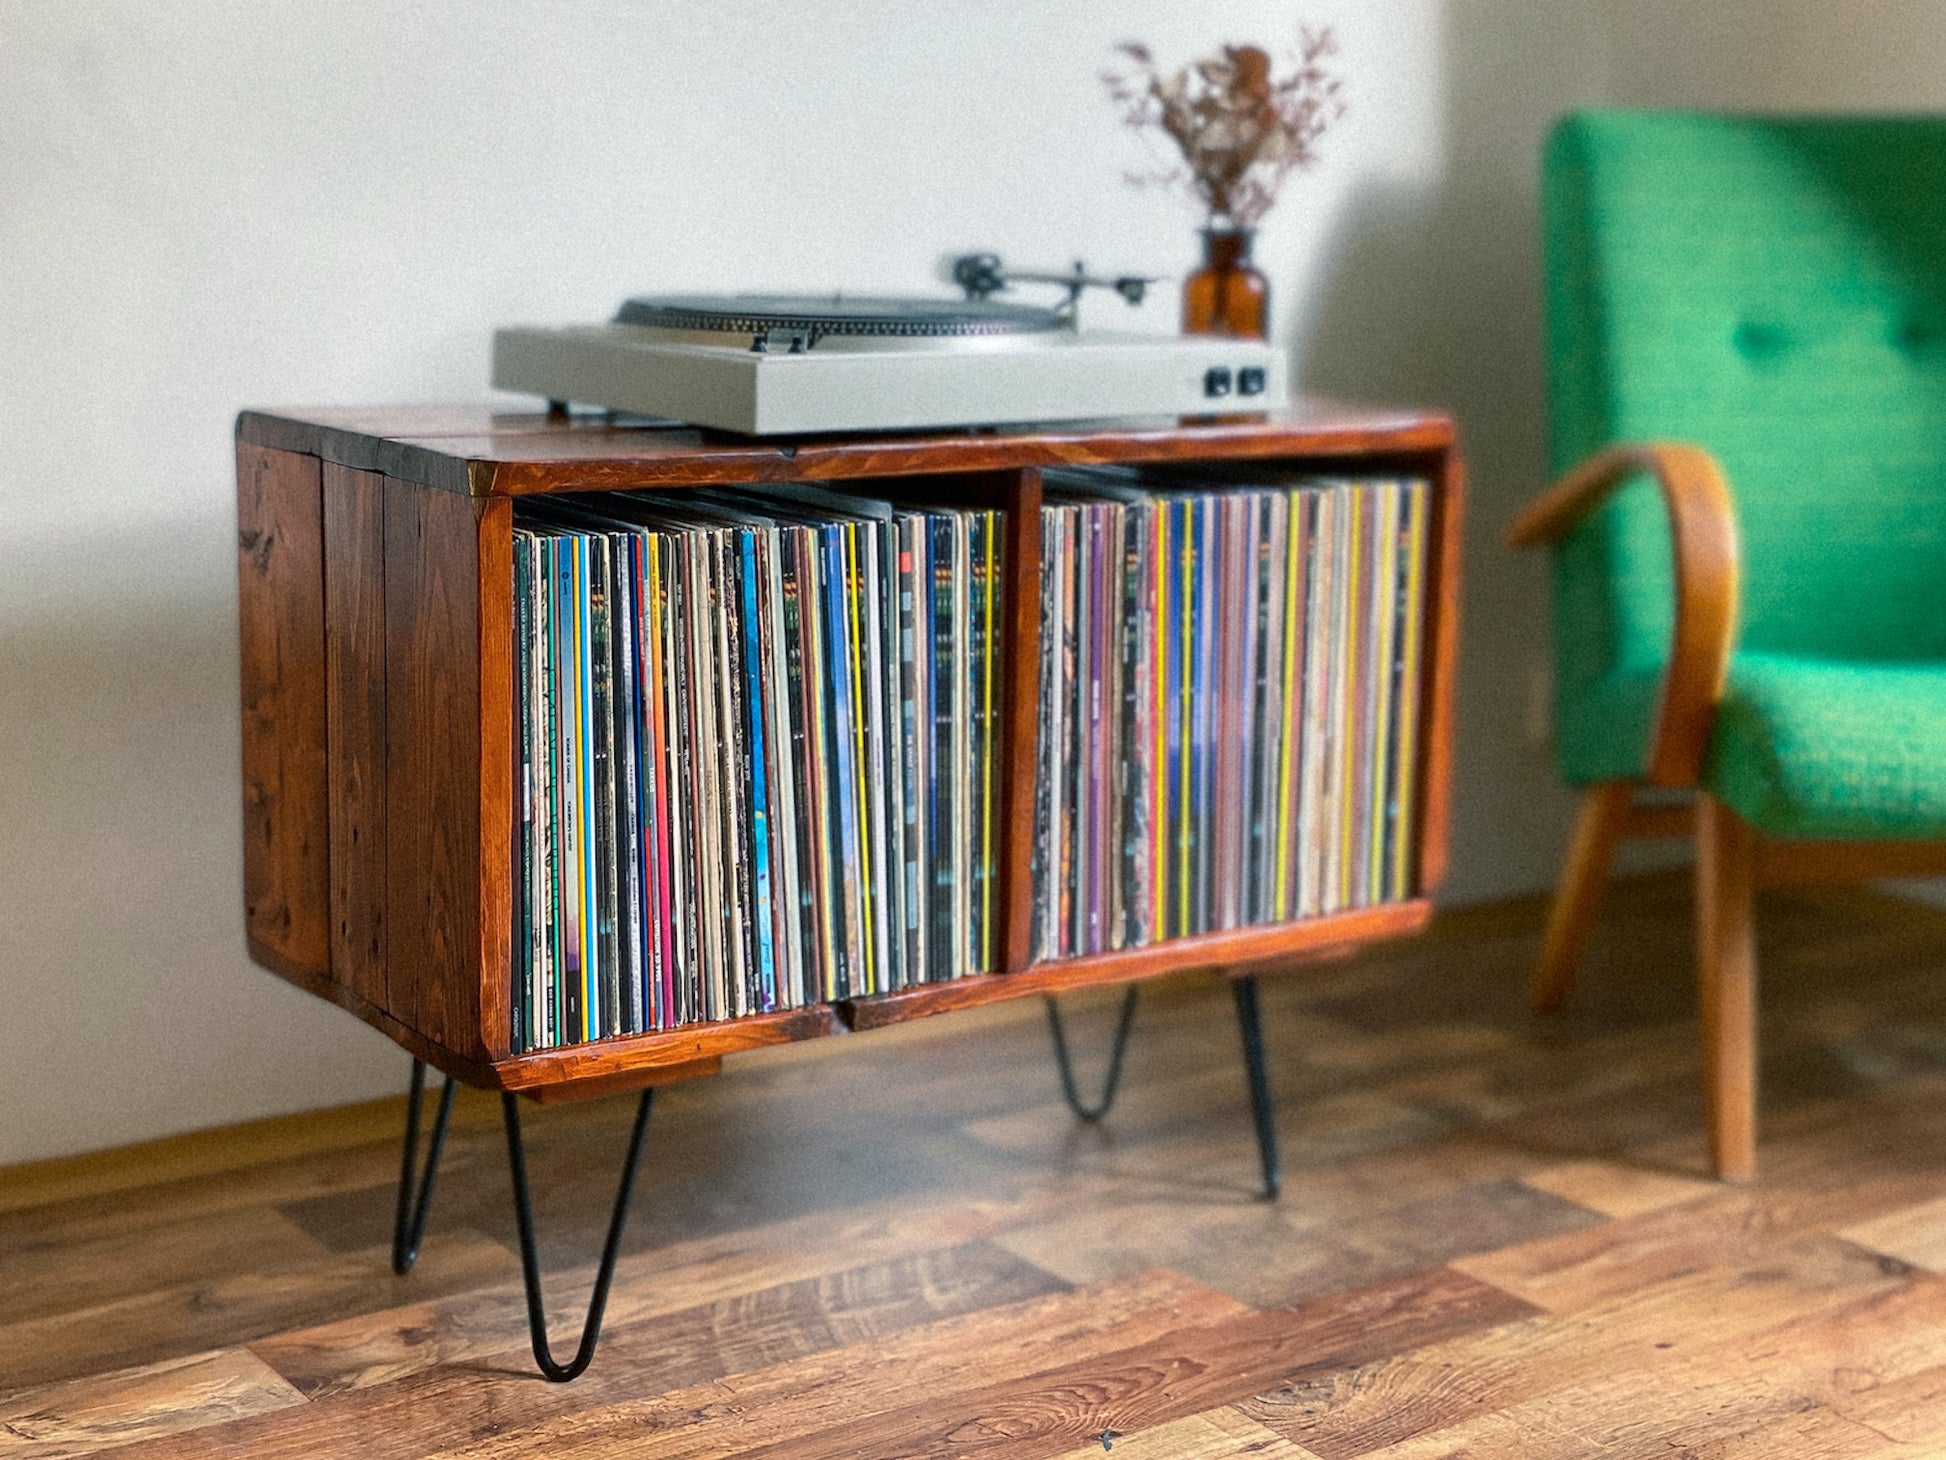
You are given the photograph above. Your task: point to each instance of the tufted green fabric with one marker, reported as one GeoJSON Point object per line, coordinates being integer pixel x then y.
{"type": "Point", "coordinates": [1775, 290]}
{"type": "Point", "coordinates": [1832, 747]}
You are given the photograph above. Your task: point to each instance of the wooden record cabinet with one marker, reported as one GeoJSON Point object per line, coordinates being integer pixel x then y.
{"type": "Point", "coordinates": [376, 596]}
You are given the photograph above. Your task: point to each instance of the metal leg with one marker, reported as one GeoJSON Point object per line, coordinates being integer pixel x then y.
{"type": "Point", "coordinates": [409, 1225]}
{"type": "Point", "coordinates": [530, 1265]}
{"type": "Point", "coordinates": [1250, 1025]}
{"type": "Point", "coordinates": [1091, 1113]}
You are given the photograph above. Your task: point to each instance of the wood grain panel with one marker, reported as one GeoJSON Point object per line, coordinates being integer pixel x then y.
{"type": "Point", "coordinates": [511, 454]}
{"type": "Point", "coordinates": [1019, 720]}
{"type": "Point", "coordinates": [354, 658]}
{"type": "Point", "coordinates": [1178, 1374]}
{"type": "Point", "coordinates": [434, 869]}
{"type": "Point", "coordinates": [498, 767]}
{"type": "Point", "coordinates": [426, 587]}
{"type": "Point", "coordinates": [87, 1416]}
{"type": "Point", "coordinates": [831, 1285]}
{"type": "Point", "coordinates": [1442, 601]}
{"type": "Point", "coordinates": [814, 1393]}
{"type": "Point", "coordinates": [1239, 950]}
{"type": "Point", "coordinates": [1798, 863]}
{"type": "Point", "coordinates": [409, 1416]}
{"type": "Point", "coordinates": [280, 601]}
{"type": "Point", "coordinates": [604, 1059]}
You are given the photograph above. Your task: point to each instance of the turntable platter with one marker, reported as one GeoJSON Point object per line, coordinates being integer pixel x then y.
{"type": "Point", "coordinates": [839, 316]}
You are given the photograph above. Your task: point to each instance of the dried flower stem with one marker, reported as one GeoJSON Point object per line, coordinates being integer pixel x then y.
{"type": "Point", "coordinates": [1240, 130]}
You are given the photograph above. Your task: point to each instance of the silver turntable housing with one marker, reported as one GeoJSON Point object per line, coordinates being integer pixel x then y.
{"type": "Point", "coordinates": [767, 366]}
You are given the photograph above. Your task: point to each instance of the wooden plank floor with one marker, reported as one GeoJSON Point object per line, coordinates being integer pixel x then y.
{"type": "Point", "coordinates": [1496, 1237]}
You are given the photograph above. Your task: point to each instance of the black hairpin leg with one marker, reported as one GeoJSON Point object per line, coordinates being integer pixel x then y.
{"type": "Point", "coordinates": [1091, 1113]}
{"type": "Point", "coordinates": [1250, 1026]}
{"type": "Point", "coordinates": [409, 1225]}
{"type": "Point", "coordinates": [530, 1265]}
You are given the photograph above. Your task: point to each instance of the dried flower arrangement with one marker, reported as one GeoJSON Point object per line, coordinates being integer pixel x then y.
{"type": "Point", "coordinates": [1241, 131]}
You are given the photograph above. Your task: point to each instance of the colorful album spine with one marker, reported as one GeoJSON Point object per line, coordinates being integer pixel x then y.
{"type": "Point", "coordinates": [1385, 672]}
{"type": "Point", "coordinates": [1270, 730]}
{"type": "Point", "coordinates": [1209, 565]}
{"type": "Point", "coordinates": [628, 788]}
{"type": "Point", "coordinates": [1043, 869]}
{"type": "Point", "coordinates": [919, 851]}
{"type": "Point", "coordinates": [905, 531]}
{"type": "Point", "coordinates": [756, 752]}
{"type": "Point", "coordinates": [1124, 803]}
{"type": "Point", "coordinates": [821, 678]}
{"type": "Point", "coordinates": [686, 773]}
{"type": "Point", "coordinates": [888, 923]}
{"type": "Point", "coordinates": [1137, 697]}
{"type": "Point", "coordinates": [654, 789]}
{"type": "Point", "coordinates": [943, 800]}
{"type": "Point", "coordinates": [844, 719]}
{"type": "Point", "coordinates": [1067, 676]}
{"type": "Point", "coordinates": [866, 755]}
{"type": "Point", "coordinates": [1161, 558]}
{"type": "Point", "coordinates": [593, 973]}
{"type": "Point", "coordinates": [1403, 800]}
{"type": "Point", "coordinates": [522, 1038]}
{"type": "Point", "coordinates": [1087, 722]}
{"type": "Point", "coordinates": [989, 689]}
{"type": "Point", "coordinates": [573, 867]}
{"type": "Point", "coordinates": [771, 655]}
{"type": "Point", "coordinates": [552, 950]}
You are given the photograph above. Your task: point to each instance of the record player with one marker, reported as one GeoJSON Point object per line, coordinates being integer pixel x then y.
{"type": "Point", "coordinates": [768, 365]}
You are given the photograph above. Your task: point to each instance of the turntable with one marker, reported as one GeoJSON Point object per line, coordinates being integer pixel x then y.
{"type": "Point", "coordinates": [770, 365]}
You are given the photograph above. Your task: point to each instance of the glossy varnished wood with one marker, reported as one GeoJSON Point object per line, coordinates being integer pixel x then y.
{"type": "Point", "coordinates": [354, 657]}
{"type": "Point", "coordinates": [1703, 538]}
{"type": "Point", "coordinates": [1599, 824]}
{"type": "Point", "coordinates": [280, 600]}
{"type": "Point", "coordinates": [434, 879]}
{"type": "Point", "coordinates": [1446, 522]}
{"type": "Point", "coordinates": [511, 455]}
{"type": "Point", "coordinates": [492, 984]}
{"type": "Point", "coordinates": [1732, 858]}
{"type": "Point", "coordinates": [605, 1065]}
{"type": "Point", "coordinates": [1784, 863]}
{"type": "Point", "coordinates": [1239, 950]}
{"type": "Point", "coordinates": [1498, 1238]}
{"type": "Point", "coordinates": [420, 705]}
{"type": "Point", "coordinates": [1019, 720]}
{"type": "Point", "coordinates": [1726, 976]}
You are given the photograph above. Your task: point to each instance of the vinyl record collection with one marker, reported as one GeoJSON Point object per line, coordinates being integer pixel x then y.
{"type": "Point", "coordinates": [1229, 701]}
{"type": "Point", "coordinates": [757, 738]}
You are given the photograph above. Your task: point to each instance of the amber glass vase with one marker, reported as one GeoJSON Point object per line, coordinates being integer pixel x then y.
{"type": "Point", "coordinates": [1227, 296]}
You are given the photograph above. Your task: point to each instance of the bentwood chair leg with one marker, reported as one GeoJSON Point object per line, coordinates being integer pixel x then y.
{"type": "Point", "coordinates": [1727, 977]}
{"type": "Point", "coordinates": [1602, 819]}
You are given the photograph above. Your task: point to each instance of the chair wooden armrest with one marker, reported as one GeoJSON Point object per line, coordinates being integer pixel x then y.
{"type": "Point", "coordinates": [1703, 528]}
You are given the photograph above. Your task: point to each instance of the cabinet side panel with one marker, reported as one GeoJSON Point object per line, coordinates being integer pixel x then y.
{"type": "Point", "coordinates": [280, 602]}
{"type": "Point", "coordinates": [354, 655]}
{"type": "Point", "coordinates": [1442, 605]}
{"type": "Point", "coordinates": [1020, 718]}
{"type": "Point", "coordinates": [432, 765]}
{"type": "Point", "coordinates": [497, 770]}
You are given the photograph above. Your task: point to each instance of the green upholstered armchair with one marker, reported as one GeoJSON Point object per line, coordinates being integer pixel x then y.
{"type": "Point", "coordinates": [1747, 374]}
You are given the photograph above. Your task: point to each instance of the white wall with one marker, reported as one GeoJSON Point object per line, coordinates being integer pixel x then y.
{"type": "Point", "coordinates": [208, 205]}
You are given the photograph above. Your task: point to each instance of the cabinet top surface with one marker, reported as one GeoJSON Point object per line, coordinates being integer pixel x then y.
{"type": "Point", "coordinates": [488, 452]}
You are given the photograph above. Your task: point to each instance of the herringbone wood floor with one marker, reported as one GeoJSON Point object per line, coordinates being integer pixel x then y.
{"type": "Point", "coordinates": [1495, 1238]}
